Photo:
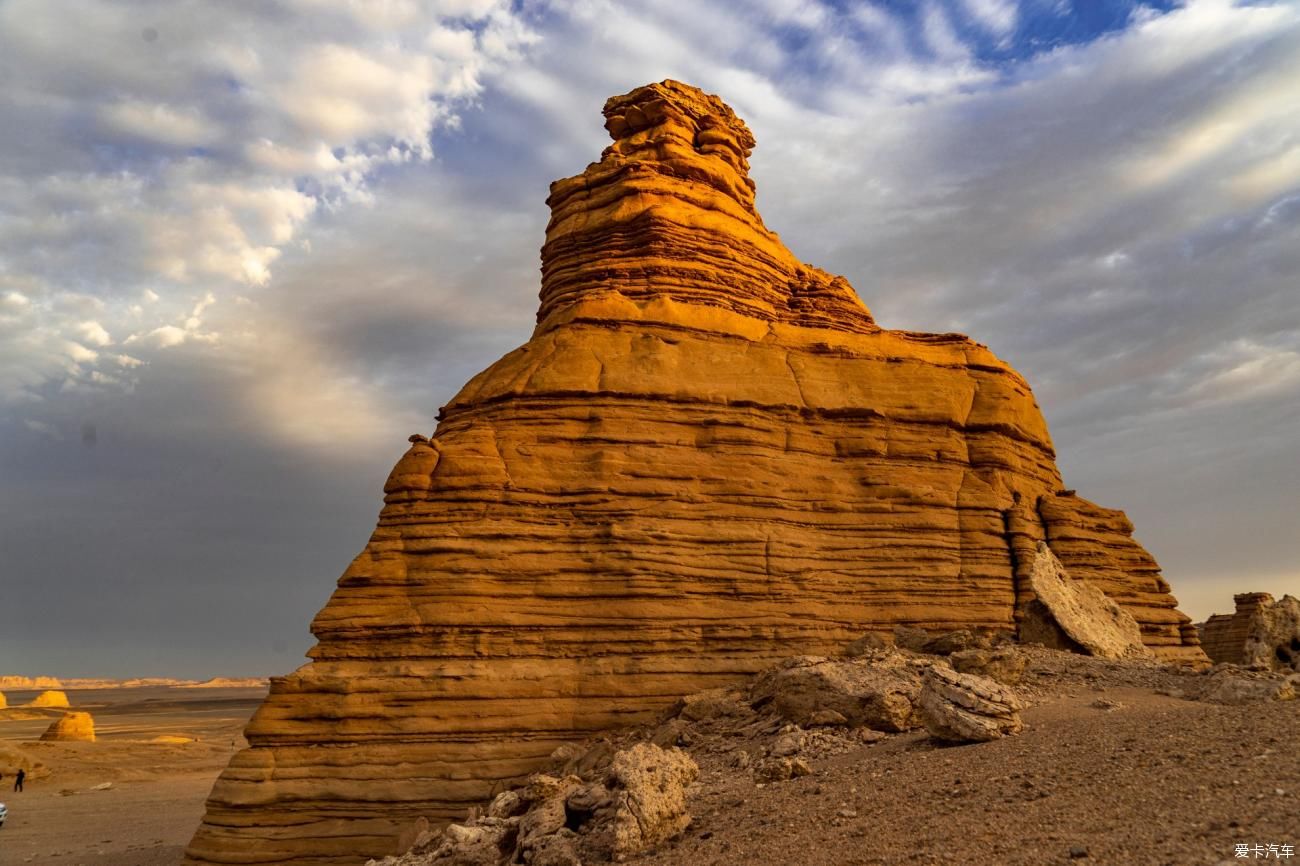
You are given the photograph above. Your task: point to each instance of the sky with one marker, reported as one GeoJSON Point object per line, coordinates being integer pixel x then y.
{"type": "Point", "coordinates": [247, 249]}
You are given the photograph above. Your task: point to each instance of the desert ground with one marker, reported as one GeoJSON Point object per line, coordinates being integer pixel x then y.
{"type": "Point", "coordinates": [1156, 780]}
{"type": "Point", "coordinates": [1120, 762]}
{"type": "Point", "coordinates": [156, 789]}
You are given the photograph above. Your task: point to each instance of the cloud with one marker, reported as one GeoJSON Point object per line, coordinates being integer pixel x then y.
{"type": "Point", "coordinates": [94, 333]}
{"type": "Point", "coordinates": [159, 123]}
{"type": "Point", "coordinates": [997, 16]}
{"type": "Point", "coordinates": [172, 151]}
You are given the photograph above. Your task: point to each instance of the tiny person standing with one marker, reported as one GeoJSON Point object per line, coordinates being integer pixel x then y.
{"type": "Point", "coordinates": [18, 780]}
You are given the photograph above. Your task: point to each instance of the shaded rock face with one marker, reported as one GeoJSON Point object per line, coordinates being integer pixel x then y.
{"type": "Point", "coordinates": [78, 727]}
{"type": "Point", "coordinates": [708, 457]}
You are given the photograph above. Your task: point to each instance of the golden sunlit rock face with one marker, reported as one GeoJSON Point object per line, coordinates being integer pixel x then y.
{"type": "Point", "coordinates": [708, 457]}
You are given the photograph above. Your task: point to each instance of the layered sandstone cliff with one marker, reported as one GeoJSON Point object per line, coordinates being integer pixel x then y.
{"type": "Point", "coordinates": [707, 457]}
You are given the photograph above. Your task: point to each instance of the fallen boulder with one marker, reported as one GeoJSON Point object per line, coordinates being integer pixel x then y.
{"type": "Point", "coordinates": [953, 641]}
{"type": "Point", "coordinates": [865, 645]}
{"type": "Point", "coordinates": [879, 693]}
{"type": "Point", "coordinates": [1074, 614]}
{"type": "Point", "coordinates": [1228, 684]}
{"type": "Point", "coordinates": [650, 785]}
{"type": "Point", "coordinates": [964, 708]}
{"type": "Point", "coordinates": [1005, 664]}
{"type": "Point", "coordinates": [566, 821]}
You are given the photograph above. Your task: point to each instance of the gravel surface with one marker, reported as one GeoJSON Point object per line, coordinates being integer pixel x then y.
{"type": "Point", "coordinates": [1111, 769]}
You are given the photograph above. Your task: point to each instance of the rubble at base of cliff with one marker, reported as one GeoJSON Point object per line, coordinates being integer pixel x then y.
{"type": "Point", "coordinates": [629, 794]}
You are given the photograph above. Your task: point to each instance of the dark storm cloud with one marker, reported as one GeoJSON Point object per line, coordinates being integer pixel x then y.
{"type": "Point", "coordinates": [253, 289]}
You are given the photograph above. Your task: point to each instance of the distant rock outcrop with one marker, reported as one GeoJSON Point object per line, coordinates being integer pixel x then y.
{"type": "Point", "coordinates": [76, 727]}
{"type": "Point", "coordinates": [707, 457]}
{"type": "Point", "coordinates": [50, 699]}
{"type": "Point", "coordinates": [1262, 633]}
{"type": "Point", "coordinates": [16, 683]}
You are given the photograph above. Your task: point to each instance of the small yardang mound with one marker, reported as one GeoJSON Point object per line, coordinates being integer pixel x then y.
{"type": "Point", "coordinates": [77, 727]}
{"type": "Point", "coordinates": [708, 457]}
{"type": "Point", "coordinates": [964, 708]}
{"type": "Point", "coordinates": [51, 699]}
{"type": "Point", "coordinates": [3, 702]}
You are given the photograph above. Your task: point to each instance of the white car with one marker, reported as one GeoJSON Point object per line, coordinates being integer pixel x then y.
{"type": "Point", "coordinates": [4, 813]}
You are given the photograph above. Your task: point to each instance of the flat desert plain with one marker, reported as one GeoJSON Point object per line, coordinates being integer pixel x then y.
{"type": "Point", "coordinates": [156, 788]}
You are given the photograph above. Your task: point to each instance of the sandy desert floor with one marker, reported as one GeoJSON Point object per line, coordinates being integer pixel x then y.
{"type": "Point", "coordinates": [157, 790]}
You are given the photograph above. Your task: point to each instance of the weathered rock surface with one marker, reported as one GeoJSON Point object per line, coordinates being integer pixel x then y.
{"type": "Point", "coordinates": [1262, 633]}
{"type": "Point", "coordinates": [1274, 639]}
{"type": "Point", "coordinates": [1224, 635]}
{"type": "Point", "coordinates": [1073, 614]}
{"type": "Point", "coordinates": [78, 727]}
{"type": "Point", "coordinates": [1231, 685]}
{"type": "Point", "coordinates": [964, 708]}
{"type": "Point", "coordinates": [954, 641]}
{"type": "Point", "coordinates": [708, 457]}
{"type": "Point", "coordinates": [639, 804]}
{"type": "Point", "coordinates": [1006, 665]}
{"type": "Point", "coordinates": [52, 699]}
{"type": "Point", "coordinates": [878, 692]}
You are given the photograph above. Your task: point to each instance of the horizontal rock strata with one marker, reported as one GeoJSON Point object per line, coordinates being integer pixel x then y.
{"type": "Point", "coordinates": [1261, 633]}
{"type": "Point", "coordinates": [708, 457]}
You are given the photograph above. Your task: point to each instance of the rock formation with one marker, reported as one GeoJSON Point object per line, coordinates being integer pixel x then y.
{"type": "Point", "coordinates": [1262, 633]}
{"type": "Point", "coordinates": [707, 457]}
{"type": "Point", "coordinates": [879, 695]}
{"type": "Point", "coordinates": [1075, 615]}
{"type": "Point", "coordinates": [51, 699]}
{"type": "Point", "coordinates": [74, 727]}
{"type": "Point", "coordinates": [3, 702]}
{"type": "Point", "coordinates": [1006, 665]}
{"type": "Point", "coordinates": [639, 803]}
{"type": "Point", "coordinates": [965, 708]}
{"type": "Point", "coordinates": [18, 683]}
